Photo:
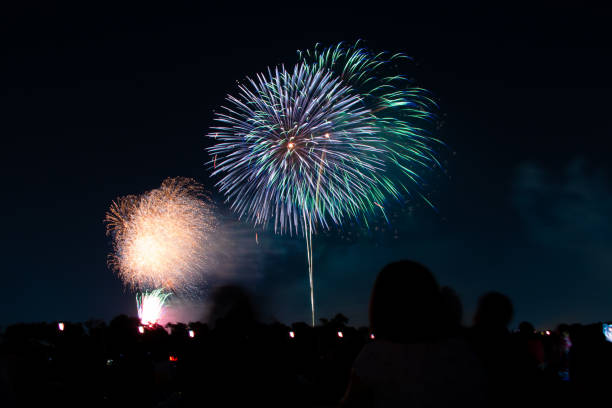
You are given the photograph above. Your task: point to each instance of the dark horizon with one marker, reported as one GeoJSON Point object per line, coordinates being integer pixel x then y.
{"type": "Point", "coordinates": [101, 102]}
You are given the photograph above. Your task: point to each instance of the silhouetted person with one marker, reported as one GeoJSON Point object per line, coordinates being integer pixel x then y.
{"type": "Point", "coordinates": [561, 358]}
{"type": "Point", "coordinates": [494, 312]}
{"type": "Point", "coordinates": [590, 362]}
{"type": "Point", "coordinates": [231, 309]}
{"type": "Point", "coordinates": [411, 362]}
{"type": "Point", "coordinates": [509, 380]}
{"type": "Point", "coordinates": [452, 311]}
{"type": "Point", "coordinates": [238, 366]}
{"type": "Point", "coordinates": [531, 345]}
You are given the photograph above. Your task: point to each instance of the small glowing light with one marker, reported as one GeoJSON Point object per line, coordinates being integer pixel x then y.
{"type": "Point", "coordinates": [191, 334]}
{"type": "Point", "coordinates": [291, 334]}
{"type": "Point", "coordinates": [173, 358]}
{"type": "Point", "coordinates": [60, 326]}
{"type": "Point", "coordinates": [327, 135]}
{"type": "Point", "coordinates": [291, 145]}
{"type": "Point", "coordinates": [548, 332]}
{"type": "Point", "coordinates": [372, 336]}
{"type": "Point", "coordinates": [141, 329]}
{"type": "Point", "coordinates": [340, 334]}
{"type": "Point", "coordinates": [109, 362]}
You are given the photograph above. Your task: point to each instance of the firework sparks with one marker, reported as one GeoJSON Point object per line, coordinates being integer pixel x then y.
{"type": "Point", "coordinates": [162, 238]}
{"type": "Point", "coordinates": [284, 136]}
{"type": "Point", "coordinates": [328, 140]}
{"type": "Point", "coordinates": [151, 305]}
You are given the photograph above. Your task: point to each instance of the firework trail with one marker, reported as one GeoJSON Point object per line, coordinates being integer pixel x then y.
{"type": "Point", "coordinates": [162, 238]}
{"type": "Point", "coordinates": [328, 140]}
{"type": "Point", "coordinates": [151, 305]}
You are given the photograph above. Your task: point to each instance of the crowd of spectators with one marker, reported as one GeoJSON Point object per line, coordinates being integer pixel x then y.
{"type": "Point", "coordinates": [415, 352]}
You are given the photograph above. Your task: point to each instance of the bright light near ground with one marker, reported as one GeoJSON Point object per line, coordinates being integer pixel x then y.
{"type": "Point", "coordinates": [340, 334]}
{"type": "Point", "coordinates": [291, 334]}
{"type": "Point", "coordinates": [141, 329]}
{"type": "Point", "coordinates": [191, 334]}
{"type": "Point", "coordinates": [150, 306]}
{"type": "Point", "coordinates": [372, 336]}
{"type": "Point", "coordinates": [60, 326]}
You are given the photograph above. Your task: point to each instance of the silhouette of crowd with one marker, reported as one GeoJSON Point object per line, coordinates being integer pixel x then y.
{"type": "Point", "coordinates": [415, 353]}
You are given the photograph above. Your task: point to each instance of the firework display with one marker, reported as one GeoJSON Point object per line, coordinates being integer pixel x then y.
{"type": "Point", "coordinates": [330, 138]}
{"type": "Point", "coordinates": [335, 137]}
{"type": "Point", "coordinates": [162, 237]}
{"type": "Point", "coordinates": [151, 305]}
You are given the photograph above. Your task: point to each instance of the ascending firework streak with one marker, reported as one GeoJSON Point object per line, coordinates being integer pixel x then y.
{"type": "Point", "coordinates": [151, 305]}
{"type": "Point", "coordinates": [328, 140]}
{"type": "Point", "coordinates": [161, 238]}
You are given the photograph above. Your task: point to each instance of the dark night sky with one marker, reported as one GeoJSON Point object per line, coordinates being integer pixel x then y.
{"type": "Point", "coordinates": [100, 101]}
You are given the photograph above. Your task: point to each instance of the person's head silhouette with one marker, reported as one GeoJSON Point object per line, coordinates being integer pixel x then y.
{"type": "Point", "coordinates": [231, 307]}
{"type": "Point", "coordinates": [494, 311]}
{"type": "Point", "coordinates": [405, 304]}
{"type": "Point", "coordinates": [452, 309]}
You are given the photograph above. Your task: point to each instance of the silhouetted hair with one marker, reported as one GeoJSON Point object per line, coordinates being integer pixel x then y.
{"type": "Point", "coordinates": [494, 310]}
{"type": "Point", "coordinates": [452, 309]}
{"type": "Point", "coordinates": [231, 305]}
{"type": "Point", "coordinates": [405, 304]}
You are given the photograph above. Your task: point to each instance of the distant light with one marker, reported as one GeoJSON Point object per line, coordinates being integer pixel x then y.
{"type": "Point", "coordinates": [327, 135]}
{"type": "Point", "coordinates": [109, 362]}
{"type": "Point", "coordinates": [173, 358]}
{"type": "Point", "coordinates": [340, 334]}
{"type": "Point", "coordinates": [548, 332]}
{"type": "Point", "coordinates": [141, 329]}
{"type": "Point", "coordinates": [372, 336]}
{"type": "Point", "coordinates": [60, 326]}
{"type": "Point", "coordinates": [291, 145]}
{"type": "Point", "coordinates": [291, 334]}
{"type": "Point", "coordinates": [191, 334]}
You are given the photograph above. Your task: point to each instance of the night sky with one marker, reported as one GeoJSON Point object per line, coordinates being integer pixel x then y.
{"type": "Point", "coordinates": [102, 100]}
